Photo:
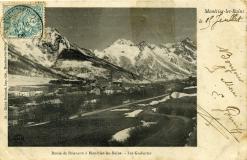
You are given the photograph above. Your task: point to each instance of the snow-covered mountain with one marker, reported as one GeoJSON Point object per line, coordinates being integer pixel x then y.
{"type": "Point", "coordinates": [43, 51]}
{"type": "Point", "coordinates": [34, 57]}
{"type": "Point", "coordinates": [153, 62]}
{"type": "Point", "coordinates": [54, 56]}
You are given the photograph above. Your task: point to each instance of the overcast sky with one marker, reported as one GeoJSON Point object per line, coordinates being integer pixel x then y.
{"type": "Point", "coordinates": [97, 28]}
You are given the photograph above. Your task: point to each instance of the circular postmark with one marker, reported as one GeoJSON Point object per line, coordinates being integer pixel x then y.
{"type": "Point", "coordinates": [22, 21]}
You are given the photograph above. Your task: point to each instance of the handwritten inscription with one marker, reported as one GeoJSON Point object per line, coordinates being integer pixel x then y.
{"type": "Point", "coordinates": [231, 112]}
{"type": "Point", "coordinates": [228, 66]}
{"type": "Point", "coordinates": [217, 122]}
{"type": "Point", "coordinates": [214, 94]}
{"type": "Point", "coordinates": [220, 17]}
{"type": "Point", "coordinates": [215, 68]}
{"type": "Point", "coordinates": [224, 120]}
{"type": "Point", "coordinates": [233, 70]}
{"type": "Point", "coordinates": [229, 85]}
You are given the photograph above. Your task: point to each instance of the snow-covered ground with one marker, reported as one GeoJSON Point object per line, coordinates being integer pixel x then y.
{"type": "Point", "coordinates": [191, 87]}
{"type": "Point", "coordinates": [159, 101]}
{"type": "Point", "coordinates": [122, 135]}
{"type": "Point", "coordinates": [120, 109]}
{"type": "Point", "coordinates": [16, 80]}
{"type": "Point", "coordinates": [52, 101]}
{"type": "Point", "coordinates": [155, 102]}
{"type": "Point", "coordinates": [134, 113]}
{"type": "Point", "coordinates": [180, 94]}
{"type": "Point", "coordinates": [83, 69]}
{"type": "Point", "coordinates": [147, 124]}
{"type": "Point", "coordinates": [37, 124]}
{"type": "Point", "coordinates": [154, 109]}
{"type": "Point", "coordinates": [73, 117]}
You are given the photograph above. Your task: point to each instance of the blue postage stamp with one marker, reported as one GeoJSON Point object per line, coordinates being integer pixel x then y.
{"type": "Point", "coordinates": [23, 21]}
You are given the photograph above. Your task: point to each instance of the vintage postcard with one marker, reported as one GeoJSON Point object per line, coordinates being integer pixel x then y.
{"type": "Point", "coordinates": [123, 80]}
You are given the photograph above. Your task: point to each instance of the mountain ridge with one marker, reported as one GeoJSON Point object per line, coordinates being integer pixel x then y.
{"type": "Point", "coordinates": [45, 54]}
{"type": "Point", "coordinates": [123, 60]}
{"type": "Point", "coordinates": [177, 60]}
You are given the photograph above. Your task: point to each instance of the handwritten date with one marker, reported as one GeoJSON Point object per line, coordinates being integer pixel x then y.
{"type": "Point", "coordinates": [213, 20]}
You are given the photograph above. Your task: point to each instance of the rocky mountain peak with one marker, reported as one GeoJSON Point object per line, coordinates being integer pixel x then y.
{"type": "Point", "coordinates": [142, 45]}
{"type": "Point", "coordinates": [123, 42]}
{"type": "Point", "coordinates": [188, 42]}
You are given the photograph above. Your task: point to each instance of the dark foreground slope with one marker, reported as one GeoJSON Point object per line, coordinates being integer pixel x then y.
{"type": "Point", "coordinates": [168, 120]}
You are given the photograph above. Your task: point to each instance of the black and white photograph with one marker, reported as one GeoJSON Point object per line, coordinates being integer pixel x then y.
{"type": "Point", "coordinates": [105, 77]}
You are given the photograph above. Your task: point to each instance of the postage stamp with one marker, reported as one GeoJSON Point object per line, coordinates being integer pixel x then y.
{"type": "Point", "coordinates": [23, 21]}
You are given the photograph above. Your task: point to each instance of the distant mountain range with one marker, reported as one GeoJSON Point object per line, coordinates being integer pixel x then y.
{"type": "Point", "coordinates": [153, 62]}
{"type": "Point", "coordinates": [54, 56]}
